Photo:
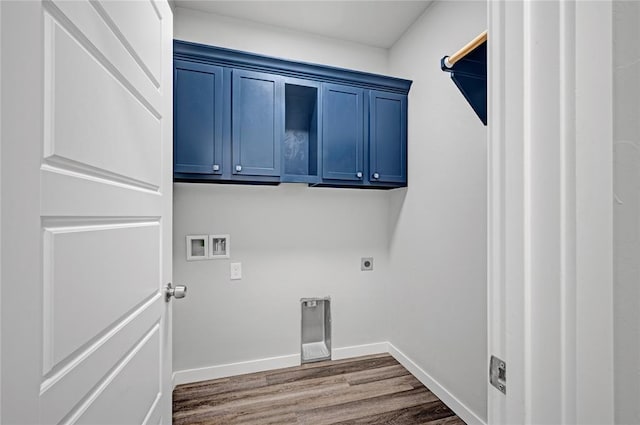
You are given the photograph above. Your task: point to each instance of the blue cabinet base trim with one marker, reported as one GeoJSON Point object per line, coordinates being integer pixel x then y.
{"type": "Point", "coordinates": [263, 181]}
{"type": "Point", "coordinates": [350, 185]}
{"type": "Point", "coordinates": [243, 180]}
{"type": "Point", "coordinates": [300, 179]}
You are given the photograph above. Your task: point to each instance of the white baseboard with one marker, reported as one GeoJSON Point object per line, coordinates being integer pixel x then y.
{"type": "Point", "coordinates": [460, 409]}
{"type": "Point", "coordinates": [232, 369]}
{"type": "Point", "coordinates": [359, 350]}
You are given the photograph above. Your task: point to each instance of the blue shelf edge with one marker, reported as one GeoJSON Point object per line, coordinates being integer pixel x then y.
{"type": "Point", "coordinates": [469, 74]}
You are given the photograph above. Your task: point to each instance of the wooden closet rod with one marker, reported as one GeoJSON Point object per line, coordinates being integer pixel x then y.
{"type": "Point", "coordinates": [449, 61]}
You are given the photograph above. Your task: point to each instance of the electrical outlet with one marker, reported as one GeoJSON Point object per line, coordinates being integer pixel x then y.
{"type": "Point", "coordinates": [235, 270]}
{"type": "Point", "coordinates": [366, 264]}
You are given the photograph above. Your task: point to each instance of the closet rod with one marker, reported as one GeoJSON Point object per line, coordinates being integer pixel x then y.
{"type": "Point", "coordinates": [449, 61]}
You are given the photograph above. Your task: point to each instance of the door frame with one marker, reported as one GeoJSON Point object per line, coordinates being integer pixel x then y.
{"type": "Point", "coordinates": [1, 144]}
{"type": "Point", "coordinates": [550, 281]}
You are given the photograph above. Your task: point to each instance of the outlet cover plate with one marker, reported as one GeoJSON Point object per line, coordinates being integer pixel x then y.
{"type": "Point", "coordinates": [235, 271]}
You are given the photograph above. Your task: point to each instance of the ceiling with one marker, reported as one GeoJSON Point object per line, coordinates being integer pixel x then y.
{"type": "Point", "coordinates": [374, 23]}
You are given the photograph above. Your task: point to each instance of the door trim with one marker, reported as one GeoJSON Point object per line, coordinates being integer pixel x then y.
{"type": "Point", "coordinates": [550, 309]}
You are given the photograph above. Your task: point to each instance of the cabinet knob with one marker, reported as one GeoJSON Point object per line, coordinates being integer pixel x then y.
{"type": "Point", "coordinates": [238, 167]}
{"type": "Point", "coordinates": [376, 176]}
{"type": "Point", "coordinates": [359, 174]}
{"type": "Point", "coordinates": [216, 167]}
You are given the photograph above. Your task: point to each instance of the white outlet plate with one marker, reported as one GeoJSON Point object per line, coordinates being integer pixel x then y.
{"type": "Point", "coordinates": [235, 271]}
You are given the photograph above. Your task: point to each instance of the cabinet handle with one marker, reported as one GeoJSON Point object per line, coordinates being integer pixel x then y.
{"type": "Point", "coordinates": [359, 174]}
{"type": "Point", "coordinates": [238, 167]}
{"type": "Point", "coordinates": [376, 176]}
{"type": "Point", "coordinates": [216, 167]}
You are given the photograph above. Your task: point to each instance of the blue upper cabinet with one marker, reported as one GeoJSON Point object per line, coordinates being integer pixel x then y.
{"type": "Point", "coordinates": [246, 118]}
{"type": "Point", "coordinates": [257, 123]}
{"type": "Point", "coordinates": [197, 123]}
{"type": "Point", "coordinates": [387, 137]}
{"type": "Point", "coordinates": [342, 133]}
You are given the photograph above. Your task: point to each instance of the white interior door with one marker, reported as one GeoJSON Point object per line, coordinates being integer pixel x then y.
{"type": "Point", "coordinates": [86, 211]}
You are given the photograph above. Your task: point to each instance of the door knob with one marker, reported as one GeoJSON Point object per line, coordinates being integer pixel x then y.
{"type": "Point", "coordinates": [376, 176]}
{"type": "Point", "coordinates": [179, 291]}
{"type": "Point", "coordinates": [359, 174]}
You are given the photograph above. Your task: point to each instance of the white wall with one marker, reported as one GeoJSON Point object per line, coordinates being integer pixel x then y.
{"type": "Point", "coordinates": [293, 241]}
{"type": "Point", "coordinates": [223, 31]}
{"type": "Point", "coordinates": [626, 150]}
{"type": "Point", "coordinates": [438, 225]}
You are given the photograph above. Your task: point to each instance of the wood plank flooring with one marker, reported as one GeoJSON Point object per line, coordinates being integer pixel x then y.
{"type": "Point", "coordinates": [363, 390]}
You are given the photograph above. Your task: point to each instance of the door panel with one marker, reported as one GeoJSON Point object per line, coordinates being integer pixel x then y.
{"type": "Point", "coordinates": [101, 292]}
{"type": "Point", "coordinates": [197, 118]}
{"type": "Point", "coordinates": [388, 137]}
{"type": "Point", "coordinates": [145, 46]}
{"type": "Point", "coordinates": [94, 120]}
{"type": "Point", "coordinates": [65, 388]}
{"type": "Point", "coordinates": [89, 24]}
{"type": "Point", "coordinates": [257, 123]}
{"type": "Point", "coordinates": [90, 247]}
{"type": "Point", "coordinates": [342, 130]}
{"type": "Point", "coordinates": [133, 387]}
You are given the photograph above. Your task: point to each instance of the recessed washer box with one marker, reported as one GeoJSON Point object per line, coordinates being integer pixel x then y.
{"type": "Point", "coordinates": [197, 247]}
{"type": "Point", "coordinates": [219, 247]}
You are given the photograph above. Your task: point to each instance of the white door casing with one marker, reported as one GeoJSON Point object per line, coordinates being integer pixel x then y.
{"type": "Point", "coordinates": [550, 216]}
{"type": "Point", "coordinates": [86, 211]}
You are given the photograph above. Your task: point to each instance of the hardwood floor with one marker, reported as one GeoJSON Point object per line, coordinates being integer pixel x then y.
{"type": "Point", "coordinates": [363, 390]}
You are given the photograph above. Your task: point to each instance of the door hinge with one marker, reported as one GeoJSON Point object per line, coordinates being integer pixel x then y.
{"type": "Point", "coordinates": [498, 374]}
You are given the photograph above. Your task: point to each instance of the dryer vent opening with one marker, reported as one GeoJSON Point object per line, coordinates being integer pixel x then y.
{"type": "Point", "coordinates": [316, 329]}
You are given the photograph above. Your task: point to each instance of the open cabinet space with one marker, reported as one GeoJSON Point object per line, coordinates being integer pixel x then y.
{"type": "Point", "coordinates": [300, 145]}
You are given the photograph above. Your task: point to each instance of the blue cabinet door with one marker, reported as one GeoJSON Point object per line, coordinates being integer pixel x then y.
{"type": "Point", "coordinates": [342, 132]}
{"type": "Point", "coordinates": [257, 123]}
{"type": "Point", "coordinates": [197, 118]}
{"type": "Point", "coordinates": [387, 137]}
